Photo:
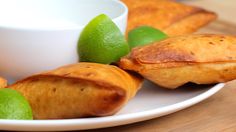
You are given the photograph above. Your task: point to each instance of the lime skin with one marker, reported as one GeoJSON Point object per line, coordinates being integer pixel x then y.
{"type": "Point", "coordinates": [144, 35]}
{"type": "Point", "coordinates": [101, 41]}
{"type": "Point", "coordinates": [14, 106]}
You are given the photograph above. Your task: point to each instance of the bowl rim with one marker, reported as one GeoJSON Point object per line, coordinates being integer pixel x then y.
{"type": "Point", "coordinates": [75, 27]}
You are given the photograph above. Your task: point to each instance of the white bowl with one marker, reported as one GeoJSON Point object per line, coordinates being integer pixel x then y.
{"type": "Point", "coordinates": [39, 35]}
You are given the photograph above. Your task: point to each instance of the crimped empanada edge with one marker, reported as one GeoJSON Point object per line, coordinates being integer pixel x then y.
{"type": "Point", "coordinates": [100, 83]}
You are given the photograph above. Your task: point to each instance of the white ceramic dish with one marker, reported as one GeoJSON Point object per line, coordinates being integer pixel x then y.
{"type": "Point", "coordinates": [39, 35]}
{"type": "Point", "coordinates": [150, 102]}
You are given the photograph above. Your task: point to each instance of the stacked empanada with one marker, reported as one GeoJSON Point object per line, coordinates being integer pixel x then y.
{"type": "Point", "coordinates": [79, 90]}
{"type": "Point", "coordinates": [200, 59]}
{"type": "Point", "coordinates": [171, 17]}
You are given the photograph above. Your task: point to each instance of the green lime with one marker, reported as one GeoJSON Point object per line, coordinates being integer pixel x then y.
{"type": "Point", "coordinates": [144, 35]}
{"type": "Point", "coordinates": [101, 41]}
{"type": "Point", "coordinates": [14, 106]}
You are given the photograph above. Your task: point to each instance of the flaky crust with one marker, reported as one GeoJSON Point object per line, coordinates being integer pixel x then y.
{"type": "Point", "coordinates": [78, 90]}
{"type": "Point", "coordinates": [171, 17]}
{"type": "Point", "coordinates": [3, 82]}
{"type": "Point", "coordinates": [201, 59]}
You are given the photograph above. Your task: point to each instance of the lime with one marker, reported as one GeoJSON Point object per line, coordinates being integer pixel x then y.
{"type": "Point", "coordinates": [144, 35]}
{"type": "Point", "coordinates": [101, 41]}
{"type": "Point", "coordinates": [13, 105]}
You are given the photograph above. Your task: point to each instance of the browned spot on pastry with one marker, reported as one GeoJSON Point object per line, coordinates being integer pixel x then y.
{"type": "Point", "coordinates": [66, 74]}
{"type": "Point", "coordinates": [35, 80]}
{"type": "Point", "coordinates": [165, 56]}
{"type": "Point", "coordinates": [54, 89]}
{"type": "Point", "coordinates": [160, 52]}
{"type": "Point", "coordinates": [211, 43]}
{"type": "Point", "coordinates": [114, 98]}
{"type": "Point", "coordinates": [89, 74]}
{"type": "Point", "coordinates": [191, 53]}
{"type": "Point", "coordinates": [226, 70]}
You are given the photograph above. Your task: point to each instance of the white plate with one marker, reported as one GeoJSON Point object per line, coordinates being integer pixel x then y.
{"type": "Point", "coordinates": [150, 102]}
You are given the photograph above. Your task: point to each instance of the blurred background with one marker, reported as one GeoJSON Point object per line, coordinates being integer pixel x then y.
{"type": "Point", "coordinates": [226, 10]}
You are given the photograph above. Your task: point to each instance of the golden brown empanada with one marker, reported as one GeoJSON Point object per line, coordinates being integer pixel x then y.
{"type": "Point", "coordinates": [78, 90]}
{"type": "Point", "coordinates": [3, 82]}
{"type": "Point", "coordinates": [171, 17]}
{"type": "Point", "coordinates": [201, 59]}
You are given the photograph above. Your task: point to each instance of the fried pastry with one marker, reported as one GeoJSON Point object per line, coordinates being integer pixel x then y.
{"type": "Point", "coordinates": [3, 83]}
{"type": "Point", "coordinates": [171, 17]}
{"type": "Point", "coordinates": [78, 90]}
{"type": "Point", "coordinates": [200, 59]}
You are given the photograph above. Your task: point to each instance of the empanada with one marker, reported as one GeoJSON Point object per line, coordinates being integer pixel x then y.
{"type": "Point", "coordinates": [78, 90]}
{"type": "Point", "coordinates": [3, 82]}
{"type": "Point", "coordinates": [200, 59]}
{"type": "Point", "coordinates": [171, 17]}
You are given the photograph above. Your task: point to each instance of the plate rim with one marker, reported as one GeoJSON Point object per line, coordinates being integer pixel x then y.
{"type": "Point", "coordinates": [109, 121]}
